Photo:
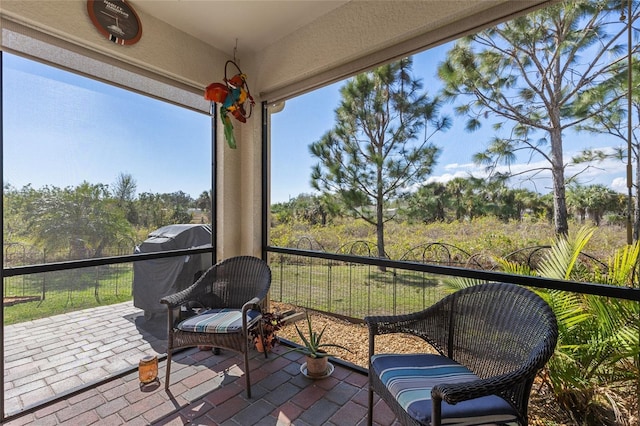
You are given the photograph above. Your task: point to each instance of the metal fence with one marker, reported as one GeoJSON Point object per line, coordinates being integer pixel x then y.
{"type": "Point", "coordinates": [355, 289]}
{"type": "Point", "coordinates": [103, 284]}
{"type": "Point", "coordinates": [349, 289]}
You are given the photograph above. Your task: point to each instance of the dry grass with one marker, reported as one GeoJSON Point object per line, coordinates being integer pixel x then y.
{"type": "Point", "coordinates": [486, 236]}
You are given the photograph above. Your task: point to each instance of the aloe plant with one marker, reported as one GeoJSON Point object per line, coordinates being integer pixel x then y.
{"type": "Point", "coordinates": [312, 345]}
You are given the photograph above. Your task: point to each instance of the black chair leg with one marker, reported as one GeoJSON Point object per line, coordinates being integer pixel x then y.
{"type": "Point", "coordinates": [166, 380]}
{"type": "Point", "coordinates": [246, 372]}
{"type": "Point", "coordinates": [370, 414]}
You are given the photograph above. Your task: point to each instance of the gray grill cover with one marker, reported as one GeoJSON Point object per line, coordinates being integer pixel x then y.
{"type": "Point", "coordinates": [156, 278]}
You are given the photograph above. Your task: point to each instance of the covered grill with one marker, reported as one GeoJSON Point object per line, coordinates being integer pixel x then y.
{"type": "Point", "coordinates": [156, 278]}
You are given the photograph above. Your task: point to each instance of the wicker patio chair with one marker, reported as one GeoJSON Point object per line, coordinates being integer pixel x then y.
{"type": "Point", "coordinates": [226, 301]}
{"type": "Point", "coordinates": [492, 340]}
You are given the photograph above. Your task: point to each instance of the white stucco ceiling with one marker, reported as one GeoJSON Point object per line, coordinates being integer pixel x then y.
{"type": "Point", "coordinates": [254, 23]}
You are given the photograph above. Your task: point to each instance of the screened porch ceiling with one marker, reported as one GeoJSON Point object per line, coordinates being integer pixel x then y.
{"type": "Point", "coordinates": [255, 23]}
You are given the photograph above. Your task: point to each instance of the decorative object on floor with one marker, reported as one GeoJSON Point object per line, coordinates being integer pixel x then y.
{"type": "Point", "coordinates": [116, 20]}
{"type": "Point", "coordinates": [232, 292]}
{"type": "Point", "coordinates": [317, 375]}
{"type": "Point", "coordinates": [317, 365]}
{"type": "Point", "coordinates": [271, 323]}
{"type": "Point", "coordinates": [234, 98]}
{"type": "Point", "coordinates": [492, 340]}
{"type": "Point", "coordinates": [148, 369]}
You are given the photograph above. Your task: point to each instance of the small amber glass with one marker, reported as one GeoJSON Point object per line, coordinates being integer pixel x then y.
{"type": "Point", "coordinates": [148, 369]}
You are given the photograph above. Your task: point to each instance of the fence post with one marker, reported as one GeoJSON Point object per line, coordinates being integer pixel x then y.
{"type": "Point", "coordinates": [44, 276]}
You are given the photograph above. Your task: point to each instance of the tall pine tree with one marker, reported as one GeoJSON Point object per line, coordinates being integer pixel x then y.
{"type": "Point", "coordinates": [380, 143]}
{"type": "Point", "coordinates": [537, 76]}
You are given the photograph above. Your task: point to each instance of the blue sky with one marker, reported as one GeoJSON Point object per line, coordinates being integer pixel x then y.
{"type": "Point", "coordinates": [305, 119]}
{"type": "Point", "coordinates": [61, 129]}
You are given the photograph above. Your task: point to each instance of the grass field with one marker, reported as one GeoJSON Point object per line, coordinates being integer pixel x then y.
{"type": "Point", "coordinates": [353, 290]}
{"type": "Point", "coordinates": [66, 291]}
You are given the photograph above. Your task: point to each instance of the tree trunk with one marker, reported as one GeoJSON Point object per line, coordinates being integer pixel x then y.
{"type": "Point", "coordinates": [557, 173]}
{"type": "Point", "coordinates": [380, 230]}
{"type": "Point", "coordinates": [439, 210]}
{"type": "Point", "coordinates": [380, 210]}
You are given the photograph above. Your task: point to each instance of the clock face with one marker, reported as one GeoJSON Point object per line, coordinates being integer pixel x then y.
{"type": "Point", "coordinates": [115, 20]}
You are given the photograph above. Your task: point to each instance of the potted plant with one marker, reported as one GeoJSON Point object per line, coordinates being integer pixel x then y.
{"type": "Point", "coordinates": [317, 358]}
{"type": "Point", "coordinates": [271, 322]}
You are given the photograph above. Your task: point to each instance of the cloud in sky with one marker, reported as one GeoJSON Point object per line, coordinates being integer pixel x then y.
{"type": "Point", "coordinates": [619, 185]}
{"type": "Point", "coordinates": [536, 176]}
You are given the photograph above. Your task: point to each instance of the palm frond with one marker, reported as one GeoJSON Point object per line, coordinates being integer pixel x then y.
{"type": "Point", "coordinates": [561, 259]}
{"type": "Point", "coordinates": [513, 267]}
{"type": "Point", "coordinates": [458, 283]}
{"type": "Point", "coordinates": [621, 266]}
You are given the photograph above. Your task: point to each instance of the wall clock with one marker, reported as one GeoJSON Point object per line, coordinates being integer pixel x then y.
{"type": "Point", "coordinates": [116, 20]}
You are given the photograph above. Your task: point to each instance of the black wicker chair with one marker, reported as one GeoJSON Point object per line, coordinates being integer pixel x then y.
{"type": "Point", "coordinates": [224, 303]}
{"type": "Point", "coordinates": [492, 340]}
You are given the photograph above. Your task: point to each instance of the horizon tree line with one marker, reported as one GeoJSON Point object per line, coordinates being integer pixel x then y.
{"type": "Point", "coordinates": [90, 220]}
{"type": "Point", "coordinates": [464, 199]}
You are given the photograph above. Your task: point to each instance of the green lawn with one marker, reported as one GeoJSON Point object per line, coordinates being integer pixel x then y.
{"type": "Point", "coordinates": [354, 290]}
{"type": "Point", "coordinates": [66, 291]}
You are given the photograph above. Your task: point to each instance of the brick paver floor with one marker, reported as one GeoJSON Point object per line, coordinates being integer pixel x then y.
{"type": "Point", "coordinates": [62, 354]}
{"type": "Point", "coordinates": [51, 356]}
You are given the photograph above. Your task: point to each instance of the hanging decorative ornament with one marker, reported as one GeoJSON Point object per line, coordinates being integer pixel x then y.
{"type": "Point", "coordinates": [234, 98]}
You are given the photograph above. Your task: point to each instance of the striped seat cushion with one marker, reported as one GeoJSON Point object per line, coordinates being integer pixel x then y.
{"type": "Point", "coordinates": [410, 377]}
{"type": "Point", "coordinates": [218, 321]}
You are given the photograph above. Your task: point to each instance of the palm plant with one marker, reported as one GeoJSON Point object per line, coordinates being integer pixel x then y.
{"type": "Point", "coordinates": [598, 337]}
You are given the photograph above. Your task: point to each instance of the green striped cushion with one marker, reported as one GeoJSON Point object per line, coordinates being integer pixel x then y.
{"type": "Point", "coordinates": [218, 321]}
{"type": "Point", "coordinates": [410, 378]}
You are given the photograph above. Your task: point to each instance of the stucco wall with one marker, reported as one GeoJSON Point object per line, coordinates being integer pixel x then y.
{"type": "Point", "coordinates": [161, 49]}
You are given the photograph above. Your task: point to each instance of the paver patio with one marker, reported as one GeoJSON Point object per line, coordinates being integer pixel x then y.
{"type": "Point", "coordinates": [58, 355]}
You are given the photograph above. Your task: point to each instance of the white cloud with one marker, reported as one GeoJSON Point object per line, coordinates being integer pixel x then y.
{"type": "Point", "coordinates": [536, 175]}
{"type": "Point", "coordinates": [446, 177]}
{"type": "Point", "coordinates": [619, 185]}
{"type": "Point", "coordinates": [453, 166]}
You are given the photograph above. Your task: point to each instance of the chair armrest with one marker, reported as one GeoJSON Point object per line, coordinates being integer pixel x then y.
{"type": "Point", "coordinates": [413, 323]}
{"type": "Point", "coordinates": [453, 393]}
{"type": "Point", "coordinates": [384, 324]}
{"type": "Point", "coordinates": [177, 299]}
{"type": "Point", "coordinates": [251, 304]}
